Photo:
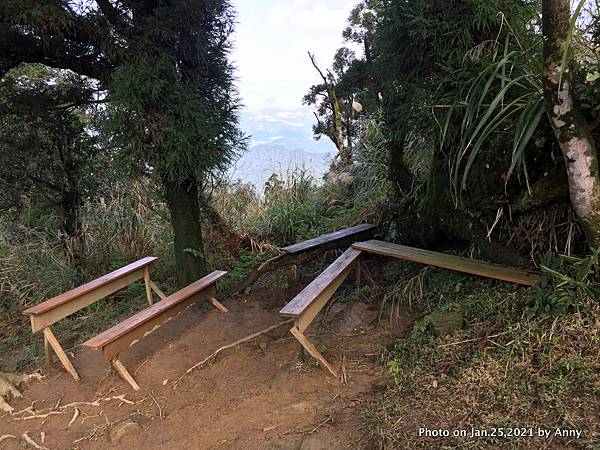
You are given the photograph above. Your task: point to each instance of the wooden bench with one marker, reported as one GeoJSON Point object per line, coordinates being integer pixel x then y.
{"type": "Point", "coordinates": [347, 233]}
{"type": "Point", "coordinates": [302, 252]}
{"type": "Point", "coordinates": [61, 306]}
{"type": "Point", "coordinates": [306, 305]}
{"type": "Point", "coordinates": [129, 332]}
{"type": "Point", "coordinates": [472, 266]}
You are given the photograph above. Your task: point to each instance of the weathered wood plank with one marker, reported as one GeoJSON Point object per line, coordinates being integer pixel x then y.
{"type": "Point", "coordinates": [358, 230]}
{"type": "Point", "coordinates": [122, 370]}
{"type": "Point", "coordinates": [41, 320]}
{"type": "Point", "coordinates": [62, 356]}
{"type": "Point", "coordinates": [132, 336]}
{"type": "Point", "coordinates": [89, 287]}
{"type": "Point", "coordinates": [147, 285]}
{"type": "Point", "coordinates": [452, 262]}
{"type": "Point", "coordinates": [312, 350]}
{"type": "Point", "coordinates": [218, 305]}
{"type": "Point", "coordinates": [140, 324]}
{"type": "Point", "coordinates": [322, 287]}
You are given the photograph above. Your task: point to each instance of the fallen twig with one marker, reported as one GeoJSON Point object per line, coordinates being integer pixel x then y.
{"type": "Point", "coordinates": [39, 416]}
{"type": "Point", "coordinates": [160, 414]}
{"type": "Point", "coordinates": [7, 436]}
{"type": "Point", "coordinates": [343, 373]}
{"type": "Point", "coordinates": [75, 415]}
{"type": "Point", "coordinates": [329, 419]}
{"type": "Point", "coordinates": [474, 340]}
{"type": "Point", "coordinates": [33, 443]}
{"type": "Point", "coordinates": [228, 346]}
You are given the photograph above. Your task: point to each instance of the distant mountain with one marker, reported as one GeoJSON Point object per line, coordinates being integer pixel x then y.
{"type": "Point", "coordinates": [280, 141]}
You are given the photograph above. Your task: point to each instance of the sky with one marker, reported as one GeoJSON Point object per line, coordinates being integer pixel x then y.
{"type": "Point", "coordinates": [271, 41]}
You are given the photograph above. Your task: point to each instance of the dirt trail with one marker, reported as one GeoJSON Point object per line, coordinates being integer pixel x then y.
{"type": "Point", "coordinates": [261, 395]}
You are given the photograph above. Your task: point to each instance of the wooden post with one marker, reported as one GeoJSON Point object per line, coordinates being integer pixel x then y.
{"type": "Point", "coordinates": [47, 352]}
{"type": "Point", "coordinates": [156, 289]}
{"type": "Point", "coordinates": [148, 288]}
{"type": "Point", "coordinates": [218, 305]}
{"type": "Point", "coordinates": [62, 356]}
{"type": "Point", "coordinates": [124, 373]}
{"type": "Point", "coordinates": [357, 273]}
{"type": "Point", "coordinates": [310, 348]}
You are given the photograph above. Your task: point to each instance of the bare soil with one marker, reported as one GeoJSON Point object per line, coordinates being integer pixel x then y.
{"type": "Point", "coordinates": [264, 394]}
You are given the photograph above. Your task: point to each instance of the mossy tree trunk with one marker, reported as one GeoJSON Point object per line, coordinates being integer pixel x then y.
{"type": "Point", "coordinates": [188, 245]}
{"type": "Point", "coordinates": [72, 239]}
{"type": "Point", "coordinates": [567, 121]}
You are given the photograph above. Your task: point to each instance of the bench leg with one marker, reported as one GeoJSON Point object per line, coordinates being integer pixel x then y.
{"type": "Point", "coordinates": [357, 274]}
{"type": "Point", "coordinates": [148, 288]}
{"type": "Point", "coordinates": [124, 373]}
{"type": "Point", "coordinates": [62, 356]}
{"type": "Point", "coordinates": [218, 305]}
{"type": "Point", "coordinates": [310, 348]}
{"type": "Point", "coordinates": [156, 289]}
{"type": "Point", "coordinates": [47, 352]}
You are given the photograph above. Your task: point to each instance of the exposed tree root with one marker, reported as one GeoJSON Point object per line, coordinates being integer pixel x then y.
{"type": "Point", "coordinates": [29, 413]}
{"type": "Point", "coordinates": [233, 344]}
{"type": "Point", "coordinates": [9, 384]}
{"type": "Point", "coordinates": [32, 442]}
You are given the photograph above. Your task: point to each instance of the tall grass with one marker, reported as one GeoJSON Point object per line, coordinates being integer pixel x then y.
{"type": "Point", "coordinates": [35, 264]}
{"type": "Point", "coordinates": [505, 95]}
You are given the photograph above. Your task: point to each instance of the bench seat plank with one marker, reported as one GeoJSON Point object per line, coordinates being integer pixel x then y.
{"type": "Point", "coordinates": [88, 287]}
{"type": "Point", "coordinates": [168, 305]}
{"type": "Point", "coordinates": [327, 238]}
{"type": "Point", "coordinates": [452, 262]}
{"type": "Point", "coordinates": [337, 271]}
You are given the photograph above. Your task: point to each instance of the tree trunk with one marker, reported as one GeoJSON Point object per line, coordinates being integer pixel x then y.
{"type": "Point", "coordinates": [188, 246]}
{"type": "Point", "coordinates": [72, 237]}
{"type": "Point", "coordinates": [339, 133]}
{"type": "Point", "coordinates": [567, 121]}
{"type": "Point", "coordinates": [399, 174]}
{"type": "Point", "coordinates": [436, 221]}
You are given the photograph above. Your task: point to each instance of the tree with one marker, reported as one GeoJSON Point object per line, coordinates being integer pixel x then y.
{"type": "Point", "coordinates": [567, 120]}
{"type": "Point", "coordinates": [173, 106]}
{"type": "Point", "coordinates": [420, 55]}
{"type": "Point", "coordinates": [349, 86]}
{"type": "Point", "coordinates": [334, 102]}
{"type": "Point", "coordinates": [47, 144]}
{"type": "Point", "coordinates": [362, 25]}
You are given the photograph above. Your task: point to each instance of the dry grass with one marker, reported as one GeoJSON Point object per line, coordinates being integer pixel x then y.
{"type": "Point", "coordinates": [502, 370]}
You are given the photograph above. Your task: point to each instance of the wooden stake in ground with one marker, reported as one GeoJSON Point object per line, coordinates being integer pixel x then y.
{"type": "Point", "coordinates": [233, 344]}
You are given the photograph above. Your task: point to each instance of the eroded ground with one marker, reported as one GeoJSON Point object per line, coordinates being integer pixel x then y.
{"type": "Point", "coordinates": [261, 394]}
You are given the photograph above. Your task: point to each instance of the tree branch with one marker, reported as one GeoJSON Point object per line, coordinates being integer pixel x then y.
{"type": "Point", "coordinates": [113, 16]}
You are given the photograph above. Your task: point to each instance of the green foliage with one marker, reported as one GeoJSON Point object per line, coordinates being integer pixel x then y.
{"type": "Point", "coordinates": [570, 284]}
{"type": "Point", "coordinates": [187, 132]}
{"type": "Point", "coordinates": [506, 94]}
{"type": "Point", "coordinates": [505, 365]}
{"type": "Point", "coordinates": [47, 141]}
{"type": "Point", "coordinates": [290, 213]}
{"type": "Point", "coordinates": [119, 228]}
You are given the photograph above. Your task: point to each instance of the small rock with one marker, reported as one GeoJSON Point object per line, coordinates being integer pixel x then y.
{"type": "Point", "coordinates": [121, 429]}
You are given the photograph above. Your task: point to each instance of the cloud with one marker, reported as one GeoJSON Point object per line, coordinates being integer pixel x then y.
{"type": "Point", "coordinates": [271, 41]}
{"type": "Point", "coordinates": [308, 14]}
